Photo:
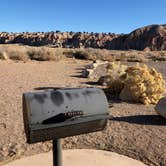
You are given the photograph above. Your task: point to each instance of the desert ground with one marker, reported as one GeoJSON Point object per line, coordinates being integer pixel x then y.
{"type": "Point", "coordinates": [135, 130]}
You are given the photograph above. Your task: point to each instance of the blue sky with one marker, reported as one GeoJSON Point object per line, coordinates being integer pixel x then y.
{"type": "Point", "coordinates": [116, 16]}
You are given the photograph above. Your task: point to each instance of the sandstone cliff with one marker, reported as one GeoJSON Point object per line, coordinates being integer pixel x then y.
{"type": "Point", "coordinates": [151, 37]}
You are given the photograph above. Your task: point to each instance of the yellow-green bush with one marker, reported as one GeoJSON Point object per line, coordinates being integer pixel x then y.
{"type": "Point", "coordinates": [136, 83]}
{"type": "Point", "coordinates": [142, 84]}
{"type": "Point", "coordinates": [115, 71]}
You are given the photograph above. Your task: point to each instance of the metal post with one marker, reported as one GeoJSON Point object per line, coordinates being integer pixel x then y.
{"type": "Point", "coordinates": [57, 152]}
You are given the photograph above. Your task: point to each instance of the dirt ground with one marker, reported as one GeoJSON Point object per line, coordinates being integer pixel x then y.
{"type": "Point", "coordinates": [135, 130]}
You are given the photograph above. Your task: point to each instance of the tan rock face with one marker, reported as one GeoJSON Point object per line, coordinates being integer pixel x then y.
{"type": "Point", "coordinates": [151, 37]}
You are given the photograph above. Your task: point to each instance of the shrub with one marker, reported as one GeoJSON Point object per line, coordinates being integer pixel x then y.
{"type": "Point", "coordinates": [18, 55]}
{"type": "Point", "coordinates": [142, 84]}
{"type": "Point", "coordinates": [115, 71]}
{"type": "Point", "coordinates": [24, 53]}
{"type": "Point", "coordinates": [135, 84]}
{"type": "Point", "coordinates": [45, 54]}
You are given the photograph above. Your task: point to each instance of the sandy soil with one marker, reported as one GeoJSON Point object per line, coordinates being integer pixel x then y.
{"type": "Point", "coordinates": [136, 130]}
{"type": "Point", "coordinates": [79, 157]}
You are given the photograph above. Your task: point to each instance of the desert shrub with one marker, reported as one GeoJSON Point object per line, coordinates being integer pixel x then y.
{"type": "Point", "coordinates": [105, 55]}
{"type": "Point", "coordinates": [115, 71]}
{"type": "Point", "coordinates": [142, 84]}
{"type": "Point", "coordinates": [156, 55]}
{"type": "Point", "coordinates": [136, 58]}
{"type": "Point", "coordinates": [69, 53]}
{"type": "Point", "coordinates": [18, 55]}
{"type": "Point", "coordinates": [158, 58]}
{"type": "Point", "coordinates": [81, 54]}
{"type": "Point", "coordinates": [24, 53]}
{"type": "Point", "coordinates": [59, 54]}
{"type": "Point", "coordinates": [135, 83]}
{"type": "Point", "coordinates": [45, 54]}
{"type": "Point", "coordinates": [14, 52]}
{"type": "Point", "coordinates": [90, 54]}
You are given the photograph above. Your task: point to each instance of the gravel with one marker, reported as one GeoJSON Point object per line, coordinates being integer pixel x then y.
{"type": "Point", "coordinates": [135, 130]}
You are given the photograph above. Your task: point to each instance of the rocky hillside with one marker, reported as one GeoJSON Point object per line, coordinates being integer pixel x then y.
{"type": "Point", "coordinates": [58, 39]}
{"type": "Point", "coordinates": [151, 37]}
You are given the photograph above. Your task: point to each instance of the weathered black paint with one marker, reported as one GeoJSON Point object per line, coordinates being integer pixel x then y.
{"type": "Point", "coordinates": [40, 97]}
{"type": "Point", "coordinates": [71, 96]}
{"type": "Point", "coordinates": [57, 98]}
{"type": "Point", "coordinates": [76, 95]}
{"type": "Point", "coordinates": [68, 95]}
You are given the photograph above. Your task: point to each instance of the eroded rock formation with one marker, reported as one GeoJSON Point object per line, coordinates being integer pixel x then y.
{"type": "Point", "coordinates": [151, 37]}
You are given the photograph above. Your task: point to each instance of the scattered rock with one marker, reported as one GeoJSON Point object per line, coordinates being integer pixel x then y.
{"type": "Point", "coordinates": [95, 70]}
{"type": "Point", "coordinates": [1, 157]}
{"type": "Point", "coordinates": [12, 150]}
{"type": "Point", "coordinates": [3, 56]}
{"type": "Point", "coordinates": [161, 107]}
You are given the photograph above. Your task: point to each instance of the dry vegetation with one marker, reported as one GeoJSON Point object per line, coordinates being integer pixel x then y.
{"type": "Point", "coordinates": [25, 53]}
{"type": "Point", "coordinates": [137, 83]}
{"type": "Point", "coordinates": [142, 84]}
{"type": "Point", "coordinates": [114, 55]}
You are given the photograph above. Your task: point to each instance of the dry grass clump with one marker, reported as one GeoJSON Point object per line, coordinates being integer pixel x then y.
{"type": "Point", "coordinates": [25, 53]}
{"type": "Point", "coordinates": [142, 84]}
{"type": "Point", "coordinates": [106, 55]}
{"type": "Point", "coordinates": [161, 56]}
{"type": "Point", "coordinates": [14, 53]}
{"type": "Point", "coordinates": [20, 55]}
{"type": "Point", "coordinates": [115, 71]}
{"type": "Point", "coordinates": [135, 84]}
{"type": "Point", "coordinates": [45, 54]}
{"type": "Point", "coordinates": [115, 55]}
{"type": "Point", "coordinates": [89, 54]}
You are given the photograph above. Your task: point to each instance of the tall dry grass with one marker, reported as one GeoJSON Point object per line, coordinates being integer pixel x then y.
{"type": "Point", "coordinates": [114, 55]}
{"type": "Point", "coordinates": [25, 53]}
